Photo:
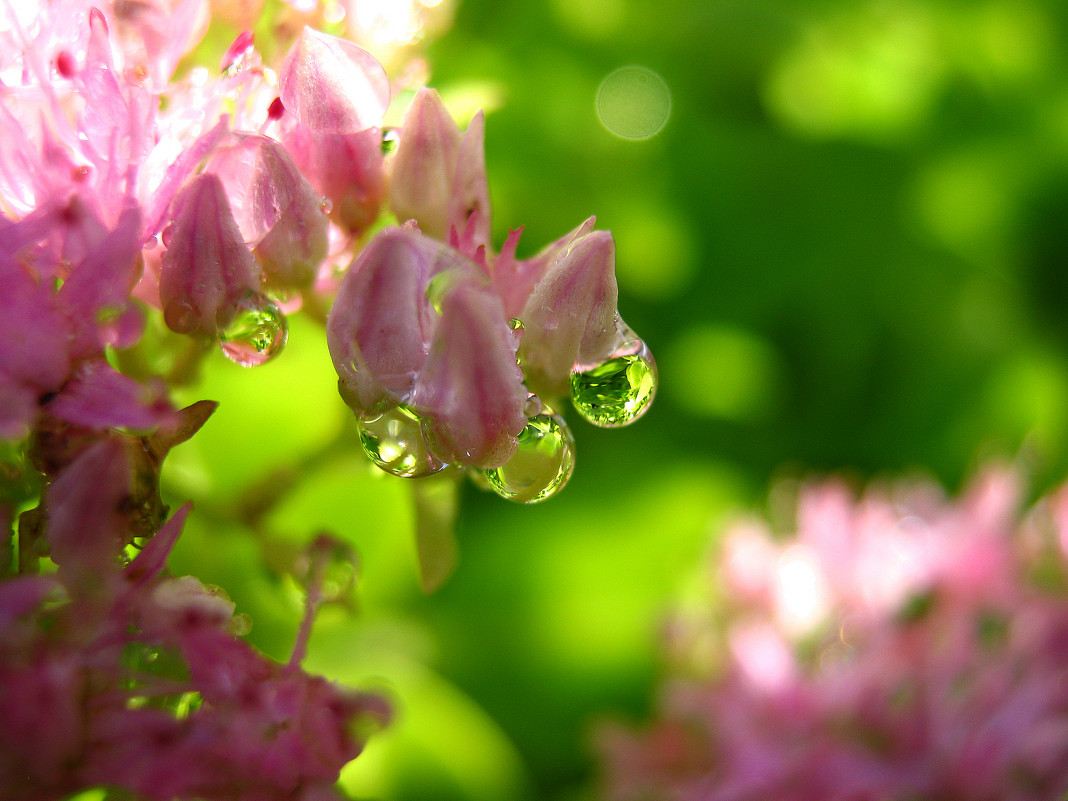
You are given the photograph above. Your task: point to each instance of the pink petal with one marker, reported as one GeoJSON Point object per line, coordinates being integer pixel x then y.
{"type": "Point", "coordinates": [207, 269]}
{"type": "Point", "coordinates": [380, 325]}
{"type": "Point", "coordinates": [345, 168]}
{"type": "Point", "coordinates": [100, 286]}
{"type": "Point", "coordinates": [571, 315]}
{"type": "Point", "coordinates": [332, 85]}
{"type": "Point", "coordinates": [86, 526]}
{"type": "Point", "coordinates": [470, 192]}
{"type": "Point", "coordinates": [279, 214]}
{"type": "Point", "coordinates": [514, 280]}
{"type": "Point", "coordinates": [99, 397]}
{"type": "Point", "coordinates": [471, 388]}
{"type": "Point", "coordinates": [425, 165]}
{"type": "Point", "coordinates": [153, 557]}
{"type": "Point", "coordinates": [33, 332]}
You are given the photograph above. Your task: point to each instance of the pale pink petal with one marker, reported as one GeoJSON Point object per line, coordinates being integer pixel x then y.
{"type": "Point", "coordinates": [347, 169]}
{"type": "Point", "coordinates": [100, 286]}
{"type": "Point", "coordinates": [332, 85]}
{"type": "Point", "coordinates": [279, 214]}
{"type": "Point", "coordinates": [423, 181]}
{"type": "Point", "coordinates": [571, 315]}
{"type": "Point", "coordinates": [471, 389]}
{"type": "Point", "coordinates": [380, 325]}
{"type": "Point", "coordinates": [207, 269]}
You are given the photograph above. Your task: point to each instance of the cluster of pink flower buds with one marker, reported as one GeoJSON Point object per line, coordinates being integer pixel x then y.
{"type": "Point", "coordinates": [452, 354]}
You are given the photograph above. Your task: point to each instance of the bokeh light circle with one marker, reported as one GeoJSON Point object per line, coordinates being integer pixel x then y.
{"type": "Point", "coordinates": [633, 102]}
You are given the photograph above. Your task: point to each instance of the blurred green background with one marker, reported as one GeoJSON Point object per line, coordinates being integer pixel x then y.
{"type": "Point", "coordinates": [846, 249]}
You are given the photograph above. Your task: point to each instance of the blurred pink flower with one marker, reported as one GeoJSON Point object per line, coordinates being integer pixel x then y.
{"type": "Point", "coordinates": [121, 675]}
{"type": "Point", "coordinates": [896, 647]}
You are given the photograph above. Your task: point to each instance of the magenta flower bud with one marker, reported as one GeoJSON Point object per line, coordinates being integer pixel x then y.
{"type": "Point", "coordinates": [332, 85]}
{"type": "Point", "coordinates": [347, 169]}
{"type": "Point", "coordinates": [207, 269]}
{"type": "Point", "coordinates": [277, 211]}
{"type": "Point", "coordinates": [439, 175]}
{"type": "Point", "coordinates": [470, 389]}
{"type": "Point", "coordinates": [571, 315]}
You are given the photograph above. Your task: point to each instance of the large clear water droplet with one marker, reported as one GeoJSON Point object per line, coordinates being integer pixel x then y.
{"type": "Point", "coordinates": [541, 465]}
{"type": "Point", "coordinates": [394, 441]}
{"type": "Point", "coordinates": [257, 333]}
{"type": "Point", "coordinates": [617, 391]}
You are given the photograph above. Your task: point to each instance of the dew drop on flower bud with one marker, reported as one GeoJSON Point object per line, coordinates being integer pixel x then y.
{"type": "Point", "coordinates": [541, 465]}
{"type": "Point", "coordinates": [257, 333]}
{"type": "Point", "coordinates": [617, 391]}
{"type": "Point", "coordinates": [389, 140]}
{"type": "Point", "coordinates": [394, 441]}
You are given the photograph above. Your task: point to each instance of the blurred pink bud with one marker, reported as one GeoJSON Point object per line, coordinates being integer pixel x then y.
{"type": "Point", "coordinates": [207, 269]}
{"type": "Point", "coordinates": [332, 85]}
{"type": "Point", "coordinates": [439, 175]}
{"type": "Point", "coordinates": [277, 211]}
{"type": "Point", "coordinates": [99, 397]}
{"type": "Point", "coordinates": [347, 169]}
{"type": "Point", "coordinates": [471, 389]}
{"type": "Point", "coordinates": [571, 315]}
{"type": "Point", "coordinates": [86, 524]}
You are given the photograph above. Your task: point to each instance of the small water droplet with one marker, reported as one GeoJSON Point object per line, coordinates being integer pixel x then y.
{"type": "Point", "coordinates": [618, 391]}
{"type": "Point", "coordinates": [517, 325]}
{"type": "Point", "coordinates": [151, 242]}
{"type": "Point", "coordinates": [389, 140]}
{"type": "Point", "coordinates": [542, 464]}
{"type": "Point", "coordinates": [257, 333]}
{"type": "Point", "coordinates": [168, 232]}
{"type": "Point", "coordinates": [181, 316]}
{"type": "Point", "coordinates": [439, 287]}
{"type": "Point", "coordinates": [533, 406]}
{"type": "Point", "coordinates": [326, 205]}
{"type": "Point", "coordinates": [394, 441]}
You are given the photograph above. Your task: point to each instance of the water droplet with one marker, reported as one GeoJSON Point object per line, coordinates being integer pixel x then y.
{"type": "Point", "coordinates": [389, 140]}
{"type": "Point", "coordinates": [166, 235]}
{"type": "Point", "coordinates": [326, 205]}
{"type": "Point", "coordinates": [517, 325]}
{"type": "Point", "coordinates": [394, 441]}
{"type": "Point", "coordinates": [181, 316]}
{"type": "Point", "coordinates": [533, 406]}
{"type": "Point", "coordinates": [541, 465]}
{"type": "Point", "coordinates": [257, 333]}
{"type": "Point", "coordinates": [618, 391]}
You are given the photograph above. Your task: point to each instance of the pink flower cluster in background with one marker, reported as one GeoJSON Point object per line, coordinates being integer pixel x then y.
{"type": "Point", "coordinates": [898, 647]}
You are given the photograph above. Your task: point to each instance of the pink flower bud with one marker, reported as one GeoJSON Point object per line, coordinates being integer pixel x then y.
{"type": "Point", "coordinates": [207, 269]}
{"type": "Point", "coordinates": [439, 175]}
{"type": "Point", "coordinates": [571, 315]}
{"type": "Point", "coordinates": [380, 325]}
{"type": "Point", "coordinates": [470, 389]}
{"type": "Point", "coordinates": [332, 85]}
{"type": "Point", "coordinates": [277, 211]}
{"type": "Point", "coordinates": [345, 168]}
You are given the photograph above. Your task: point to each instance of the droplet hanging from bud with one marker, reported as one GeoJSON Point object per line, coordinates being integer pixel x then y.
{"type": "Point", "coordinates": [256, 334]}
{"type": "Point", "coordinates": [620, 389]}
{"type": "Point", "coordinates": [394, 441]}
{"type": "Point", "coordinates": [542, 464]}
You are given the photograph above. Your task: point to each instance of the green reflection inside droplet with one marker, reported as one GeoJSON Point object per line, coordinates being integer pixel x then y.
{"type": "Point", "coordinates": [394, 441]}
{"type": "Point", "coordinates": [257, 333]}
{"type": "Point", "coordinates": [617, 391]}
{"type": "Point", "coordinates": [542, 464]}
